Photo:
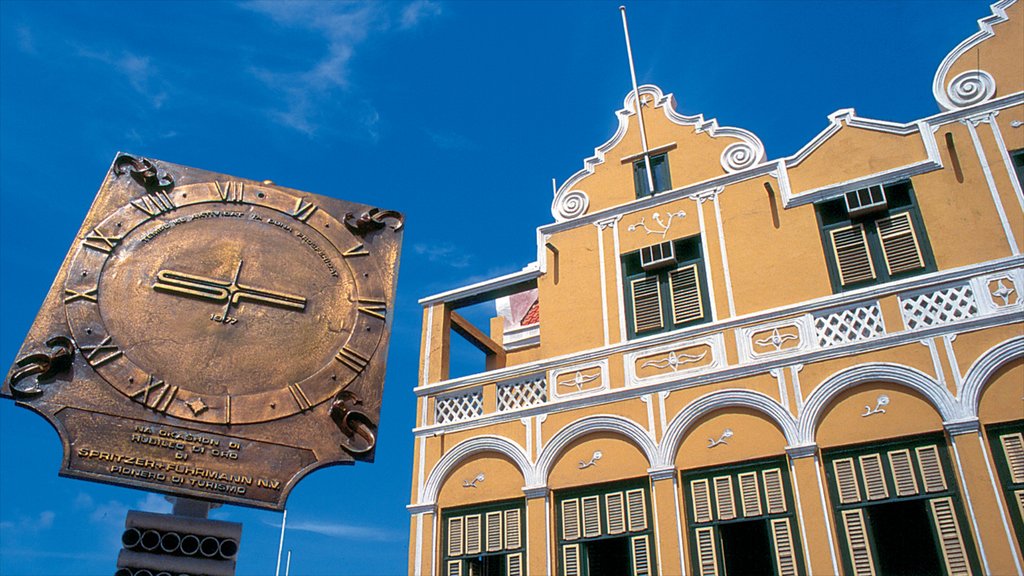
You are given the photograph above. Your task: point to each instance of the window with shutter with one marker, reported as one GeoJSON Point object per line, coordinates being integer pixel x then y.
{"type": "Point", "coordinates": [1007, 444]}
{"type": "Point", "coordinates": [640, 556]}
{"type": "Point", "coordinates": [667, 297]}
{"type": "Point", "coordinates": [850, 247]}
{"type": "Point", "coordinates": [887, 521]}
{"type": "Point", "coordinates": [899, 244]}
{"type": "Point", "coordinates": [903, 472]}
{"type": "Point", "coordinates": [740, 520]}
{"type": "Point", "coordinates": [874, 478]}
{"type": "Point", "coordinates": [782, 538]}
{"type": "Point", "coordinates": [514, 566]}
{"type": "Point", "coordinates": [494, 536]}
{"type": "Point", "coordinates": [616, 512]}
{"type": "Point", "coordinates": [482, 539]}
{"type": "Point", "coordinates": [659, 173]}
{"type": "Point", "coordinates": [605, 528]}
{"type": "Point", "coordinates": [591, 516]}
{"type": "Point", "coordinates": [879, 244]}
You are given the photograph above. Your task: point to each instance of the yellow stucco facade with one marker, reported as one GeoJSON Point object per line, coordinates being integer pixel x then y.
{"type": "Point", "coordinates": [807, 365]}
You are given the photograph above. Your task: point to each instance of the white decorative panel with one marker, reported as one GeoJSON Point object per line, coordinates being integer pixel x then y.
{"type": "Point", "coordinates": [459, 406]}
{"type": "Point", "coordinates": [775, 338]}
{"type": "Point", "coordinates": [579, 380]}
{"type": "Point", "coordinates": [670, 361]}
{"type": "Point", "coordinates": [522, 393]}
{"type": "Point", "coordinates": [999, 292]}
{"type": "Point", "coordinates": [846, 325]}
{"type": "Point", "coordinates": [942, 306]}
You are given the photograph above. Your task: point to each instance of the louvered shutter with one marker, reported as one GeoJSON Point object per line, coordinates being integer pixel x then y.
{"type": "Point", "coordinates": [571, 559]}
{"type": "Point", "coordinates": [785, 553]}
{"type": "Point", "coordinates": [857, 542]}
{"type": "Point", "coordinates": [641, 556]}
{"type": "Point", "coordinates": [636, 510]}
{"type": "Point", "coordinates": [454, 568]}
{"type": "Point", "coordinates": [1019, 496]}
{"type": "Point", "coordinates": [455, 536]}
{"type": "Point", "coordinates": [725, 505]}
{"type": "Point", "coordinates": [514, 564]}
{"type": "Point", "coordinates": [647, 313]}
{"type": "Point", "coordinates": [616, 512]}
{"type": "Point", "coordinates": [591, 516]}
{"type": "Point", "coordinates": [850, 247]}
{"type": "Point", "coordinates": [846, 480]}
{"type": "Point", "coordinates": [773, 490]}
{"type": "Point", "coordinates": [1013, 449]}
{"type": "Point", "coordinates": [954, 554]}
{"type": "Point", "coordinates": [707, 556]}
{"type": "Point", "coordinates": [571, 519]}
{"type": "Point", "coordinates": [473, 534]}
{"type": "Point", "coordinates": [700, 492]}
{"type": "Point", "coordinates": [931, 468]}
{"type": "Point", "coordinates": [513, 529]}
{"type": "Point", "coordinates": [494, 539]}
{"type": "Point", "coordinates": [903, 472]}
{"type": "Point", "coordinates": [687, 304]}
{"type": "Point", "coordinates": [874, 478]}
{"type": "Point", "coordinates": [750, 494]}
{"type": "Point", "coordinates": [899, 243]}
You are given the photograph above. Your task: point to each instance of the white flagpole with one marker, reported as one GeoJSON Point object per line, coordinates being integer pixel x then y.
{"type": "Point", "coordinates": [639, 105]}
{"type": "Point", "coordinates": [280, 545]}
{"type": "Point", "coordinates": [288, 564]}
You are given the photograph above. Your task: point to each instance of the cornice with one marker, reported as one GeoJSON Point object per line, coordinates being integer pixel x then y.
{"type": "Point", "coordinates": [985, 31]}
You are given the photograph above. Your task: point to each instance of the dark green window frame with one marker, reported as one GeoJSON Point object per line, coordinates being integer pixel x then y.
{"type": "Point", "coordinates": [510, 559]}
{"type": "Point", "coordinates": [1017, 159]}
{"type": "Point", "coordinates": [659, 172]}
{"type": "Point", "coordinates": [1013, 488]}
{"type": "Point", "coordinates": [767, 478]}
{"type": "Point", "coordinates": [572, 552]}
{"type": "Point", "coordinates": [688, 253]}
{"type": "Point", "coordinates": [852, 508]}
{"type": "Point", "coordinates": [833, 218]}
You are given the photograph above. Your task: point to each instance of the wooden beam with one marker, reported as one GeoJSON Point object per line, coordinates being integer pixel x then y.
{"type": "Point", "coordinates": [467, 330]}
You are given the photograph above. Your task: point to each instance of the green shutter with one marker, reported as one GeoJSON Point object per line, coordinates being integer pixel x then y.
{"type": "Point", "coordinates": [641, 556]}
{"type": "Point", "coordinates": [954, 553]}
{"type": "Point", "coordinates": [707, 556]}
{"type": "Point", "coordinates": [571, 560]}
{"type": "Point", "coordinates": [931, 468]}
{"type": "Point", "coordinates": [636, 510]}
{"type": "Point", "coordinates": [687, 304]}
{"type": "Point", "coordinates": [857, 542]}
{"type": "Point", "coordinates": [513, 529]}
{"type": "Point", "coordinates": [615, 512]}
{"type": "Point", "coordinates": [899, 243]}
{"type": "Point", "coordinates": [785, 552]}
{"type": "Point", "coordinates": [874, 478]}
{"type": "Point", "coordinates": [903, 472]}
{"type": "Point", "coordinates": [647, 314]}
{"type": "Point", "coordinates": [846, 479]}
{"type": "Point", "coordinates": [571, 519]}
{"type": "Point", "coordinates": [514, 564]}
{"type": "Point", "coordinates": [1013, 449]}
{"type": "Point", "coordinates": [850, 249]}
{"type": "Point", "coordinates": [455, 536]}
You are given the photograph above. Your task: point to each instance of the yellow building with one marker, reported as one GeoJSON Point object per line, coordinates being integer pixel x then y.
{"type": "Point", "coordinates": [808, 365]}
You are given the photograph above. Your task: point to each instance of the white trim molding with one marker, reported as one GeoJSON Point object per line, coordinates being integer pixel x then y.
{"type": "Point", "coordinates": [640, 437]}
{"type": "Point", "coordinates": [465, 449]}
{"type": "Point", "coordinates": [708, 403]}
{"type": "Point", "coordinates": [981, 372]}
{"type": "Point", "coordinates": [941, 89]}
{"type": "Point", "coordinates": [826, 392]}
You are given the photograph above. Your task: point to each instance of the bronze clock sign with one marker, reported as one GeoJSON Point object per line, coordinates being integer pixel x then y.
{"type": "Point", "coordinates": [213, 337]}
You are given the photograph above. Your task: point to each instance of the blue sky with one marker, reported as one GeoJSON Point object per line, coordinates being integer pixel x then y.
{"type": "Point", "coordinates": [424, 107]}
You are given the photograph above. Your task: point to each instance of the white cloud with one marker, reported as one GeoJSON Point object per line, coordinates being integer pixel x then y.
{"type": "Point", "coordinates": [140, 73]}
{"type": "Point", "coordinates": [38, 523]}
{"type": "Point", "coordinates": [342, 27]}
{"type": "Point", "coordinates": [339, 530]}
{"type": "Point", "coordinates": [157, 503]}
{"type": "Point", "coordinates": [443, 253]}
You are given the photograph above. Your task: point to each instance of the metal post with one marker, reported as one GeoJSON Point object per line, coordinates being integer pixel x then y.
{"type": "Point", "coordinates": [639, 105]}
{"type": "Point", "coordinates": [280, 545]}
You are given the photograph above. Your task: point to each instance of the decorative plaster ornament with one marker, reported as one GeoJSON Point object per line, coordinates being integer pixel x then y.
{"type": "Point", "coordinates": [776, 339]}
{"type": "Point", "coordinates": [592, 462]}
{"type": "Point", "coordinates": [472, 483]}
{"type": "Point", "coordinates": [571, 205]}
{"type": "Point", "coordinates": [883, 400]}
{"type": "Point", "coordinates": [1003, 292]}
{"type": "Point", "coordinates": [727, 433]}
{"type": "Point", "coordinates": [673, 361]}
{"type": "Point", "coordinates": [971, 87]}
{"type": "Point", "coordinates": [579, 380]}
{"type": "Point", "coordinates": [657, 219]}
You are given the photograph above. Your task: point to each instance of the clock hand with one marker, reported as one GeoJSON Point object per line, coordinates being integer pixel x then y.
{"type": "Point", "coordinates": [191, 285]}
{"type": "Point", "coordinates": [268, 297]}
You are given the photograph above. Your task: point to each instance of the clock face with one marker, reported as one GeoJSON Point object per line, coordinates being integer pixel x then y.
{"type": "Point", "coordinates": [225, 302]}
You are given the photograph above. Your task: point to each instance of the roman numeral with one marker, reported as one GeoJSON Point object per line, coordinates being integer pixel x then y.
{"type": "Point", "coordinates": [230, 191]}
{"type": "Point", "coordinates": [300, 396]}
{"type": "Point", "coordinates": [352, 359]}
{"type": "Point", "coordinates": [303, 210]}
{"type": "Point", "coordinates": [105, 351]}
{"type": "Point", "coordinates": [375, 308]}
{"type": "Point", "coordinates": [72, 295]}
{"type": "Point", "coordinates": [356, 251]}
{"type": "Point", "coordinates": [155, 203]}
{"type": "Point", "coordinates": [98, 240]}
{"type": "Point", "coordinates": [160, 400]}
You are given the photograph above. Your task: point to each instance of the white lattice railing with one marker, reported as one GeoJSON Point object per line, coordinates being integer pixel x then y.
{"type": "Point", "coordinates": [522, 393]}
{"type": "Point", "coordinates": [461, 406]}
{"type": "Point", "coordinates": [853, 324]}
{"type": "Point", "coordinates": [942, 306]}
